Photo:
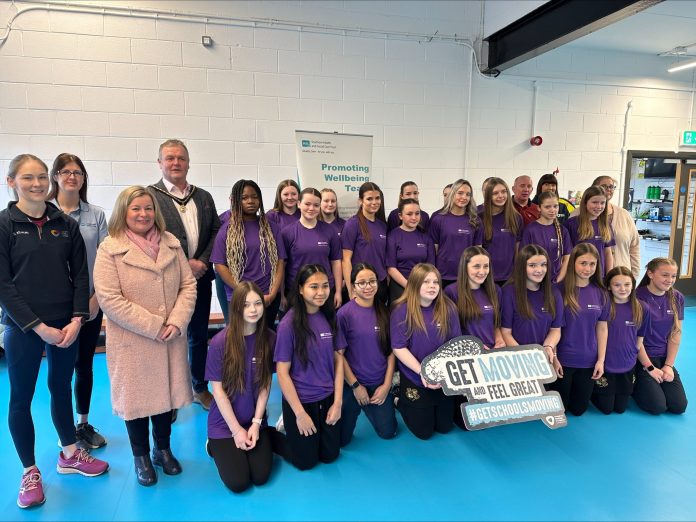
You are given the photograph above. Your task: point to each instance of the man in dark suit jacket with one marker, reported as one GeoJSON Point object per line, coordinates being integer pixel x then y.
{"type": "Point", "coordinates": [189, 213]}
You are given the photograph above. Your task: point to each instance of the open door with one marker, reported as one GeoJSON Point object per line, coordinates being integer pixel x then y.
{"type": "Point", "coordinates": [683, 229]}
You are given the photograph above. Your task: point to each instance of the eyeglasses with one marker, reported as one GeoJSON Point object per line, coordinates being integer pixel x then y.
{"type": "Point", "coordinates": [67, 173]}
{"type": "Point", "coordinates": [364, 284]}
{"type": "Point", "coordinates": [608, 187]}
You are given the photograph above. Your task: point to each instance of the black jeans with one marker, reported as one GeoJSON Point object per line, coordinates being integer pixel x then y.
{"type": "Point", "coordinates": [24, 352]}
{"type": "Point", "coordinates": [198, 332]}
{"type": "Point", "coordinates": [423, 410]}
{"type": "Point", "coordinates": [139, 433]}
{"type": "Point", "coordinates": [238, 468]}
{"type": "Point", "coordinates": [612, 391]}
{"type": "Point", "coordinates": [324, 446]}
{"type": "Point", "coordinates": [84, 376]}
{"type": "Point", "coordinates": [575, 389]}
{"type": "Point", "coordinates": [656, 397]}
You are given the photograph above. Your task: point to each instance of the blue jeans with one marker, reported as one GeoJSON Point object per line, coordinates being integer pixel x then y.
{"type": "Point", "coordinates": [382, 417]}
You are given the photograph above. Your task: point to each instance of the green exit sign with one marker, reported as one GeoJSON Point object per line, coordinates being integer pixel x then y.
{"type": "Point", "coordinates": [689, 138]}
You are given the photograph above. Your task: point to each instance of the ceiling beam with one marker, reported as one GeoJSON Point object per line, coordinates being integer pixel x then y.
{"type": "Point", "coordinates": [553, 24]}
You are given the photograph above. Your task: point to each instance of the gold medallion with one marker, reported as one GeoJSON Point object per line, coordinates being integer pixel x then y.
{"type": "Point", "coordinates": [182, 208]}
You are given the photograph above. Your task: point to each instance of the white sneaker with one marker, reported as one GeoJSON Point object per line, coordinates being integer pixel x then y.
{"type": "Point", "coordinates": [280, 425]}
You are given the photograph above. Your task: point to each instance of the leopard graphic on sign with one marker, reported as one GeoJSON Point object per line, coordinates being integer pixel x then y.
{"type": "Point", "coordinates": [502, 386]}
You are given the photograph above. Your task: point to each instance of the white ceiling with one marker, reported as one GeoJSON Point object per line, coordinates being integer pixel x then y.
{"type": "Point", "coordinates": [652, 31]}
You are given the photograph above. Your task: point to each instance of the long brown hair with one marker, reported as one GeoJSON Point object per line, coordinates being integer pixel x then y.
{"type": "Point", "coordinates": [381, 311]}
{"type": "Point", "coordinates": [368, 186]}
{"type": "Point", "coordinates": [403, 186]}
{"type": "Point", "coordinates": [411, 299]}
{"type": "Point", "coordinates": [570, 288]}
{"type": "Point", "coordinates": [511, 215]}
{"type": "Point", "coordinates": [519, 279]}
{"type": "Point", "coordinates": [636, 308]}
{"type": "Point", "coordinates": [278, 203]}
{"type": "Point", "coordinates": [585, 229]}
{"type": "Point", "coordinates": [61, 161]}
{"type": "Point", "coordinates": [466, 303]}
{"type": "Point", "coordinates": [556, 224]}
{"type": "Point", "coordinates": [653, 265]}
{"type": "Point", "coordinates": [234, 358]}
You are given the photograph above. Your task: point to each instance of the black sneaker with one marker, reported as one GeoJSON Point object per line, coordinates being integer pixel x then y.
{"type": "Point", "coordinates": [88, 437]}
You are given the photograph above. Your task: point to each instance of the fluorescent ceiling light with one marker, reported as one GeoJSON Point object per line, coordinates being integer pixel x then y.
{"type": "Point", "coordinates": [682, 66]}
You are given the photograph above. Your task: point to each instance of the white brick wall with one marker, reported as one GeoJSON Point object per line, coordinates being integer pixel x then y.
{"type": "Point", "coordinates": [112, 88]}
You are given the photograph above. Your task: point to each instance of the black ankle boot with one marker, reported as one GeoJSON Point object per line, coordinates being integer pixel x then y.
{"type": "Point", "coordinates": [145, 471]}
{"type": "Point", "coordinates": [167, 461]}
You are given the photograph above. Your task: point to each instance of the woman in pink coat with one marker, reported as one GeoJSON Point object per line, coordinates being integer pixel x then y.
{"type": "Point", "coordinates": [146, 289]}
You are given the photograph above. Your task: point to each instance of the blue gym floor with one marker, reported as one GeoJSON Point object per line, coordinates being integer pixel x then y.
{"type": "Point", "coordinates": [620, 467]}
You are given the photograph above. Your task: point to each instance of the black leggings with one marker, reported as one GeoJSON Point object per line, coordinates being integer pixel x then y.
{"type": "Point", "coordinates": [423, 410]}
{"type": "Point", "coordinates": [84, 376]}
{"type": "Point", "coordinates": [238, 468]}
{"type": "Point", "coordinates": [24, 352]}
{"type": "Point", "coordinates": [324, 446]}
{"type": "Point", "coordinates": [139, 433]}
{"type": "Point", "coordinates": [612, 391]}
{"type": "Point", "coordinates": [655, 397]}
{"type": "Point", "coordinates": [575, 389]}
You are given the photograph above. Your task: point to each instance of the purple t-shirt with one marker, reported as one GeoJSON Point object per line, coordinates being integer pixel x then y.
{"type": "Point", "coordinates": [530, 331]}
{"type": "Point", "coordinates": [622, 349]}
{"type": "Point", "coordinates": [501, 247]}
{"type": "Point", "coordinates": [578, 345]}
{"type": "Point", "coordinates": [406, 249]}
{"type": "Point", "coordinates": [337, 226]}
{"type": "Point", "coordinates": [373, 251]}
{"type": "Point", "coordinates": [224, 217]}
{"type": "Point", "coordinates": [299, 246]}
{"type": "Point", "coordinates": [546, 237]}
{"type": "Point", "coordinates": [358, 334]}
{"type": "Point", "coordinates": [420, 343]}
{"type": "Point", "coordinates": [243, 404]}
{"type": "Point", "coordinates": [661, 319]}
{"type": "Point", "coordinates": [452, 234]}
{"type": "Point", "coordinates": [393, 220]}
{"type": "Point", "coordinates": [484, 327]}
{"type": "Point", "coordinates": [315, 381]}
{"type": "Point", "coordinates": [281, 219]}
{"type": "Point", "coordinates": [573, 224]}
{"type": "Point", "coordinates": [255, 270]}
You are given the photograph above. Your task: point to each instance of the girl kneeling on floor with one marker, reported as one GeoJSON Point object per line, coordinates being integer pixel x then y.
{"type": "Point", "coordinates": [240, 368]}
{"type": "Point", "coordinates": [310, 372]}
{"type": "Point", "coordinates": [422, 320]}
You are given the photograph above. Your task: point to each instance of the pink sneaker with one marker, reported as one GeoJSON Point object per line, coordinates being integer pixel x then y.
{"type": "Point", "coordinates": [81, 462]}
{"type": "Point", "coordinates": [31, 489]}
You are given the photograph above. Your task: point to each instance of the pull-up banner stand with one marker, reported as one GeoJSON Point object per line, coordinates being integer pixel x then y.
{"type": "Point", "coordinates": [341, 162]}
{"type": "Point", "coordinates": [502, 386]}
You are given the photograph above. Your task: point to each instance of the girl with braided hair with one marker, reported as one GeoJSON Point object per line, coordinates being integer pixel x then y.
{"type": "Point", "coordinates": [548, 233]}
{"type": "Point", "coordinates": [245, 248]}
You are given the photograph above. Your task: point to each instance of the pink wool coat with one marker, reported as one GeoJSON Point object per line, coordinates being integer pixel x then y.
{"type": "Point", "coordinates": [138, 296]}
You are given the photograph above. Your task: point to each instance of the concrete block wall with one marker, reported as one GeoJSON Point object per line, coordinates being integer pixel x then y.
{"type": "Point", "coordinates": [111, 88]}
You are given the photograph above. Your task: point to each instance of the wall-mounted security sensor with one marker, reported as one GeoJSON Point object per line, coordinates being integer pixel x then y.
{"type": "Point", "coordinates": [207, 41]}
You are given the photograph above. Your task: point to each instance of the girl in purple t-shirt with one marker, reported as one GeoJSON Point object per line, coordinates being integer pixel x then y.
{"type": "Point", "coordinates": [502, 228]}
{"type": "Point", "coordinates": [477, 298]}
{"type": "Point", "coordinates": [368, 363]}
{"type": "Point", "coordinates": [310, 241]}
{"type": "Point", "coordinates": [591, 225]}
{"type": "Point", "coordinates": [329, 210]}
{"type": "Point", "coordinates": [532, 306]}
{"type": "Point", "coordinates": [628, 324]}
{"type": "Point", "coordinates": [422, 319]}
{"type": "Point", "coordinates": [453, 229]}
{"type": "Point", "coordinates": [659, 390]}
{"type": "Point", "coordinates": [364, 238]}
{"type": "Point", "coordinates": [548, 233]}
{"type": "Point", "coordinates": [580, 353]}
{"type": "Point", "coordinates": [285, 211]}
{"type": "Point", "coordinates": [407, 245]}
{"type": "Point", "coordinates": [409, 190]}
{"type": "Point", "coordinates": [240, 369]}
{"type": "Point", "coordinates": [310, 372]}
{"type": "Point", "coordinates": [245, 248]}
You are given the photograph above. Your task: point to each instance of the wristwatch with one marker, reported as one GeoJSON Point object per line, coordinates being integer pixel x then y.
{"type": "Point", "coordinates": [355, 385]}
{"type": "Point", "coordinates": [648, 368]}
